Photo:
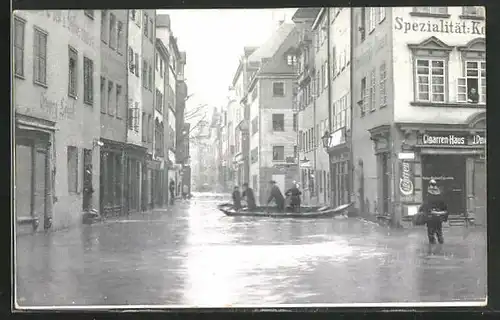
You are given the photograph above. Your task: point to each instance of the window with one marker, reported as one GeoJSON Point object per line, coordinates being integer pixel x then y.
{"type": "Point", "coordinates": [137, 65]}
{"type": "Point", "coordinates": [322, 78]}
{"type": "Point", "coordinates": [278, 122]}
{"type": "Point", "coordinates": [118, 101]}
{"type": "Point", "coordinates": [472, 88]}
{"type": "Point", "coordinates": [334, 61]}
{"type": "Point", "coordinates": [161, 67]}
{"type": "Point", "coordinates": [473, 11]}
{"type": "Point", "coordinates": [144, 127]}
{"type": "Point", "coordinates": [19, 27]}
{"type": "Point", "coordinates": [151, 29]}
{"type": "Point", "coordinates": [112, 31]}
{"type": "Point", "coordinates": [431, 10]}
{"type": "Point", "coordinates": [295, 152]}
{"type": "Point", "coordinates": [72, 72]}
{"type": "Point", "coordinates": [372, 18]}
{"type": "Point", "coordinates": [103, 94]}
{"type": "Point", "coordinates": [278, 153]}
{"type": "Point", "coordinates": [255, 125]}
{"type": "Point", "coordinates": [157, 61]}
{"type": "Point", "coordinates": [72, 169]}
{"type": "Point", "coordinates": [159, 101]}
{"type": "Point", "coordinates": [383, 83]}
{"type": "Point", "coordinates": [254, 94]}
{"type": "Point", "coordinates": [325, 75]}
{"type": "Point", "coordinates": [430, 80]}
{"type": "Point", "coordinates": [278, 89]}
{"type": "Point", "coordinates": [144, 74]}
{"type": "Point", "coordinates": [89, 13]}
{"type": "Point", "coordinates": [145, 24]}
{"type": "Point", "coordinates": [364, 96]}
{"type": "Point", "coordinates": [150, 78]}
{"type": "Point", "coordinates": [110, 96]}
{"type": "Point", "coordinates": [381, 14]}
{"type": "Point", "coordinates": [133, 14]}
{"type": "Point", "coordinates": [104, 23]}
{"type": "Point", "coordinates": [295, 122]}
{"type": "Point", "coordinates": [291, 60]}
{"type": "Point", "coordinates": [150, 129]}
{"type": "Point", "coordinates": [119, 39]}
{"type": "Point", "coordinates": [88, 81]}
{"type": "Point", "coordinates": [40, 57]}
{"type": "Point", "coordinates": [362, 25]}
{"type": "Point", "coordinates": [131, 64]}
{"type": "Point", "coordinates": [254, 155]}
{"type": "Point", "coordinates": [372, 89]}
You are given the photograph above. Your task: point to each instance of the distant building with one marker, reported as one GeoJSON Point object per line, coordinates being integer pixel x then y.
{"type": "Point", "coordinates": [57, 120]}
{"type": "Point", "coordinates": [269, 97]}
{"type": "Point", "coordinates": [419, 108]}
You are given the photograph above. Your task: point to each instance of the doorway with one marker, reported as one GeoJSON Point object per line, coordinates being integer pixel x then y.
{"type": "Point", "coordinates": [480, 195]}
{"type": "Point", "coordinates": [386, 182]}
{"type": "Point", "coordinates": [88, 190]}
{"type": "Point", "coordinates": [449, 171]}
{"type": "Point", "coordinates": [280, 181]}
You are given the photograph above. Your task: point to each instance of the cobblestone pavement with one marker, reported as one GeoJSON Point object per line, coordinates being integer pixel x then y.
{"type": "Point", "coordinates": [193, 255]}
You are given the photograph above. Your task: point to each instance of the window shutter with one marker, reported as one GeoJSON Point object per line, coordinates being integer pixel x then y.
{"type": "Point", "coordinates": [461, 89]}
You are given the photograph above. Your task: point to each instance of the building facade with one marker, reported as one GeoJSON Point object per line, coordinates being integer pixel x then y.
{"type": "Point", "coordinates": [160, 119]}
{"type": "Point", "coordinates": [113, 107]}
{"type": "Point", "coordinates": [273, 138]}
{"type": "Point", "coordinates": [56, 64]}
{"type": "Point", "coordinates": [419, 87]}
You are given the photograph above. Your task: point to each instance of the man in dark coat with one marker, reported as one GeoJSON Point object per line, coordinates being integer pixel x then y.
{"type": "Point", "coordinates": [294, 194]}
{"type": "Point", "coordinates": [249, 196]}
{"type": "Point", "coordinates": [277, 196]}
{"type": "Point", "coordinates": [236, 198]}
{"type": "Point", "coordinates": [171, 188]}
{"type": "Point", "coordinates": [435, 211]}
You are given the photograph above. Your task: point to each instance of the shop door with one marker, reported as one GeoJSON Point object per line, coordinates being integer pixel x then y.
{"type": "Point", "coordinates": [24, 180]}
{"type": "Point", "coordinates": [87, 180]}
{"type": "Point", "coordinates": [480, 196]}
{"type": "Point", "coordinates": [40, 190]}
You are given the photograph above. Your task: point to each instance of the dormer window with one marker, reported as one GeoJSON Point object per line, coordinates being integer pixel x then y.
{"type": "Point", "coordinates": [291, 60]}
{"type": "Point", "coordinates": [473, 12]}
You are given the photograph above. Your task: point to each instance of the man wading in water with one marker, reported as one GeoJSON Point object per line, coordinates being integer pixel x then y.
{"type": "Point", "coordinates": [435, 212]}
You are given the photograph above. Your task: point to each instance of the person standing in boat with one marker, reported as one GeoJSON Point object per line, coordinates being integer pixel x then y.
{"type": "Point", "coordinates": [294, 194]}
{"type": "Point", "coordinates": [236, 198]}
{"type": "Point", "coordinates": [277, 196]}
{"type": "Point", "coordinates": [249, 197]}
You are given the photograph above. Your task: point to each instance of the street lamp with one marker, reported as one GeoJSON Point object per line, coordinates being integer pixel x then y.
{"type": "Point", "coordinates": [326, 140]}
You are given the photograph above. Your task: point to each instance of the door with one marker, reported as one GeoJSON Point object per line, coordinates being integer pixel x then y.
{"type": "Point", "coordinates": [40, 182]}
{"type": "Point", "coordinates": [280, 181]}
{"type": "Point", "coordinates": [480, 196]}
{"type": "Point", "coordinates": [87, 180]}
{"type": "Point", "coordinates": [386, 197]}
{"type": "Point", "coordinates": [24, 181]}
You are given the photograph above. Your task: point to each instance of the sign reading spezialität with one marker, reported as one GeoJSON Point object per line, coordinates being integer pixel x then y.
{"type": "Point", "coordinates": [441, 26]}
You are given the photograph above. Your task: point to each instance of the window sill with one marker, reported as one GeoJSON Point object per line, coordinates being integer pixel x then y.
{"type": "Point", "coordinates": [44, 85]}
{"type": "Point", "coordinates": [373, 110]}
{"type": "Point", "coordinates": [20, 76]}
{"type": "Point", "coordinates": [471, 17]}
{"type": "Point", "coordinates": [447, 104]}
{"type": "Point", "coordinates": [371, 31]}
{"type": "Point", "coordinates": [278, 130]}
{"type": "Point", "coordinates": [89, 16]}
{"type": "Point", "coordinates": [430, 15]}
{"type": "Point", "coordinates": [103, 112]}
{"type": "Point", "coordinates": [89, 103]}
{"type": "Point", "coordinates": [73, 96]}
{"type": "Point", "coordinates": [278, 96]}
{"type": "Point", "coordinates": [383, 105]}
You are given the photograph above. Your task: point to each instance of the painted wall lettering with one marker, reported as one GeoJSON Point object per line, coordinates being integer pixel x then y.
{"type": "Point", "coordinates": [441, 26]}
{"type": "Point", "coordinates": [406, 184]}
{"type": "Point", "coordinates": [59, 109]}
{"type": "Point", "coordinates": [67, 18]}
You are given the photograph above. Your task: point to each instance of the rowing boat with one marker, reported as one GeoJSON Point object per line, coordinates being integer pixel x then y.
{"type": "Point", "coordinates": [305, 212]}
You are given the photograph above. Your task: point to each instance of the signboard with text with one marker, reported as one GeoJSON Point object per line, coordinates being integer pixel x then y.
{"type": "Point", "coordinates": [452, 139]}
{"type": "Point", "coordinates": [406, 184]}
{"type": "Point", "coordinates": [469, 27]}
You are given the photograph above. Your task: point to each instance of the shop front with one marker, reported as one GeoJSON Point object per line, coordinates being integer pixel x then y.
{"type": "Point", "coordinates": [454, 158]}
{"type": "Point", "coordinates": [339, 178]}
{"type": "Point", "coordinates": [134, 157]}
{"type": "Point", "coordinates": [112, 178]}
{"type": "Point", "coordinates": [33, 178]}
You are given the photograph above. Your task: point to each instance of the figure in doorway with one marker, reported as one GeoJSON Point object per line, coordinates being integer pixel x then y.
{"type": "Point", "coordinates": [171, 188]}
{"type": "Point", "coordinates": [435, 212]}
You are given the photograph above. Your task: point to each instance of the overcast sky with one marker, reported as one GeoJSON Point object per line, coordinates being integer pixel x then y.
{"type": "Point", "coordinates": [214, 40]}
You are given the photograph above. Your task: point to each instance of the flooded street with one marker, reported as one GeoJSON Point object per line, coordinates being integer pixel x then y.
{"type": "Point", "coordinates": [192, 254]}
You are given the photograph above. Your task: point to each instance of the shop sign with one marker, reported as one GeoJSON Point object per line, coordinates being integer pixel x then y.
{"type": "Point", "coordinates": [453, 139]}
{"type": "Point", "coordinates": [337, 138]}
{"type": "Point", "coordinates": [441, 26]}
{"type": "Point", "coordinates": [478, 139]}
{"type": "Point", "coordinates": [406, 155]}
{"type": "Point", "coordinates": [406, 181]}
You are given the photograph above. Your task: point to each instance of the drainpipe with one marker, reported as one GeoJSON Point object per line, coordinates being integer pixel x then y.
{"type": "Point", "coordinates": [124, 158]}
{"type": "Point", "coordinates": [329, 79]}
{"type": "Point", "coordinates": [351, 107]}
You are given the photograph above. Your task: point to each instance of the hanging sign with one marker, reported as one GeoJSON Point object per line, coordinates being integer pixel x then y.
{"type": "Point", "coordinates": [406, 181]}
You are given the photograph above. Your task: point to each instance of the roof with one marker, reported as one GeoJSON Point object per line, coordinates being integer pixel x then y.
{"type": "Point", "coordinates": [306, 13]}
{"type": "Point", "coordinates": [271, 46]}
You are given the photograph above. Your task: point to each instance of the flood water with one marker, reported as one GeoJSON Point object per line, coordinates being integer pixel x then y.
{"type": "Point", "coordinates": [191, 254]}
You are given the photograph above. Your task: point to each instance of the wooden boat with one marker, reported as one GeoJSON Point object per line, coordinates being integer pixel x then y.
{"type": "Point", "coordinates": [305, 212]}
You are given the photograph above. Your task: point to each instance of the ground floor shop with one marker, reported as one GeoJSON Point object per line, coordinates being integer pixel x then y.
{"type": "Point", "coordinates": [112, 178]}
{"type": "Point", "coordinates": [33, 179]}
{"type": "Point", "coordinates": [408, 156]}
{"type": "Point", "coordinates": [134, 164]}
{"type": "Point", "coordinates": [340, 177]}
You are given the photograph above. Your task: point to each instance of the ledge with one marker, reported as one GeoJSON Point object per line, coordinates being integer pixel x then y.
{"type": "Point", "coordinates": [471, 17]}
{"type": "Point", "coordinates": [430, 15]}
{"type": "Point", "coordinates": [447, 104]}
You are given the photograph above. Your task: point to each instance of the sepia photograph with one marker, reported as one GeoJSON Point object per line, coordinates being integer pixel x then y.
{"type": "Point", "coordinates": [256, 158]}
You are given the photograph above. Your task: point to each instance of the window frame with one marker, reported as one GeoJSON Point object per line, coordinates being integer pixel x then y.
{"type": "Point", "coordinates": [72, 74]}
{"type": "Point", "coordinates": [103, 92]}
{"type": "Point", "coordinates": [381, 14]}
{"type": "Point", "coordinates": [89, 14]}
{"type": "Point", "coordinates": [284, 89]}
{"type": "Point", "coordinates": [104, 25]}
{"type": "Point", "coordinates": [19, 50]}
{"type": "Point", "coordinates": [372, 19]}
{"type": "Point", "coordinates": [373, 85]}
{"type": "Point", "coordinates": [364, 97]}
{"type": "Point", "coordinates": [273, 121]}
{"type": "Point", "coordinates": [112, 31]}
{"type": "Point", "coordinates": [72, 185]}
{"type": "Point", "coordinates": [480, 78]}
{"type": "Point", "coordinates": [110, 87]}
{"type": "Point", "coordinates": [469, 15]}
{"type": "Point", "coordinates": [281, 147]}
{"type": "Point", "coordinates": [383, 84]}
{"type": "Point", "coordinates": [430, 85]}
{"type": "Point", "coordinates": [38, 58]}
{"type": "Point", "coordinates": [118, 100]}
{"type": "Point", "coordinates": [119, 35]}
{"type": "Point", "coordinates": [420, 11]}
{"type": "Point", "coordinates": [145, 26]}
